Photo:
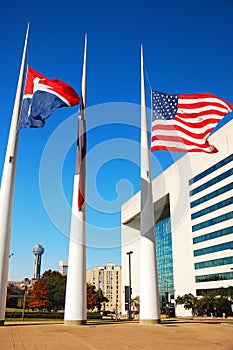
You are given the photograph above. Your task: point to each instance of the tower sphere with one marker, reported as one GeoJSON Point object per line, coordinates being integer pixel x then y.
{"type": "Point", "coordinates": [38, 249]}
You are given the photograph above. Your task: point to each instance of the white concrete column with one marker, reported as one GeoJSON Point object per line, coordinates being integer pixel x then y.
{"type": "Point", "coordinates": [149, 295]}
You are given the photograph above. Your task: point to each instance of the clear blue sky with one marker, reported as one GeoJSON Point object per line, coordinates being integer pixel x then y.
{"type": "Point", "coordinates": [187, 48]}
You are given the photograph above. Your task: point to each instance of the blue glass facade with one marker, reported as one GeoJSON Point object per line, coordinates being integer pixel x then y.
{"type": "Point", "coordinates": [164, 258]}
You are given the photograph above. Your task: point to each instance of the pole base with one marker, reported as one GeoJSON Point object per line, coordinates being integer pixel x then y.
{"type": "Point", "coordinates": [150, 322]}
{"type": "Point", "coordinates": [75, 322]}
{"type": "Point", "coordinates": [2, 322]}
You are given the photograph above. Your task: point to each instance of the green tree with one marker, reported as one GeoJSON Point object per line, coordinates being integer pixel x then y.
{"type": "Point", "coordinates": [56, 285]}
{"type": "Point", "coordinates": [206, 305]}
{"type": "Point", "coordinates": [189, 301]}
{"type": "Point", "coordinates": [222, 305]}
{"type": "Point", "coordinates": [39, 296]}
{"type": "Point", "coordinates": [226, 292]}
{"type": "Point", "coordinates": [216, 302]}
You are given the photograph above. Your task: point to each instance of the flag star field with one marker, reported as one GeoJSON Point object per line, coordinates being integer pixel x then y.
{"type": "Point", "coordinates": [164, 106]}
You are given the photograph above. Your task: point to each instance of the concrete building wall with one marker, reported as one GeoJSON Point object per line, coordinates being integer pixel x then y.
{"type": "Point", "coordinates": [175, 182]}
{"type": "Point", "coordinates": [108, 278]}
{"type": "Point", "coordinates": [63, 267]}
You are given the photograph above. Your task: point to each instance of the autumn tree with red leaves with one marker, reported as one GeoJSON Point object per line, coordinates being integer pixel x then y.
{"type": "Point", "coordinates": [39, 296]}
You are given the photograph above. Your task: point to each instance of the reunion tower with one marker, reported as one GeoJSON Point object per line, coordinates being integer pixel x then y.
{"type": "Point", "coordinates": [37, 250]}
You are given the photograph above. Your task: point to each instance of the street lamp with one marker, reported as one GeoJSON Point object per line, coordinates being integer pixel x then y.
{"type": "Point", "coordinates": [26, 286]}
{"type": "Point", "coordinates": [130, 312]}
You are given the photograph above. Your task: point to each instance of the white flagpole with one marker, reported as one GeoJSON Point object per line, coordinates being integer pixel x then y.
{"type": "Point", "coordinates": [76, 300]}
{"type": "Point", "coordinates": [149, 295]}
{"type": "Point", "coordinates": [7, 188]}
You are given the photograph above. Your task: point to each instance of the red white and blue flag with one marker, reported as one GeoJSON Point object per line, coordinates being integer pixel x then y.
{"type": "Point", "coordinates": [183, 123]}
{"type": "Point", "coordinates": [42, 96]}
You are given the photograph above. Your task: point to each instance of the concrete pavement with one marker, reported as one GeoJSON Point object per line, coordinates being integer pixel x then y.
{"type": "Point", "coordinates": [117, 336]}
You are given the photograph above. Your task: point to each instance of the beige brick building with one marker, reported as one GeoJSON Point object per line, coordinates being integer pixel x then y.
{"type": "Point", "coordinates": [108, 278]}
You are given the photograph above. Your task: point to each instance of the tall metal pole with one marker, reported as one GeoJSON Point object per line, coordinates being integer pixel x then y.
{"type": "Point", "coordinates": [130, 311]}
{"type": "Point", "coordinates": [7, 188]}
{"type": "Point", "coordinates": [149, 293]}
{"type": "Point", "coordinates": [76, 299]}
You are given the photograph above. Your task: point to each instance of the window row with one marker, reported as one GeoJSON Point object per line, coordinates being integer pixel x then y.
{"type": "Point", "coordinates": [212, 182]}
{"type": "Point", "coordinates": [211, 208]}
{"type": "Point", "coordinates": [213, 221]}
{"type": "Point", "coordinates": [213, 249]}
{"type": "Point", "coordinates": [212, 235]}
{"type": "Point", "coordinates": [211, 195]}
{"type": "Point", "coordinates": [215, 277]}
{"type": "Point", "coordinates": [211, 169]}
{"type": "Point", "coordinates": [213, 263]}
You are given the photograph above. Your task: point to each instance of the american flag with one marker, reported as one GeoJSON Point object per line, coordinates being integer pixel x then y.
{"type": "Point", "coordinates": [183, 122]}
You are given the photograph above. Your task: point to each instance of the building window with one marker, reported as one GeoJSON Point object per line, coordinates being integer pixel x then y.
{"type": "Point", "coordinates": [213, 263]}
{"type": "Point", "coordinates": [215, 277]}
{"type": "Point", "coordinates": [212, 195]}
{"type": "Point", "coordinates": [212, 208]}
{"type": "Point", "coordinates": [213, 221]}
{"type": "Point", "coordinates": [212, 235]}
{"type": "Point", "coordinates": [213, 249]}
{"type": "Point", "coordinates": [204, 292]}
{"type": "Point", "coordinates": [211, 169]}
{"type": "Point", "coordinates": [212, 182]}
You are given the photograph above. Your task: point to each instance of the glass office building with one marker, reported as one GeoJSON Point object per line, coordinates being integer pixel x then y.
{"type": "Point", "coordinates": [194, 231]}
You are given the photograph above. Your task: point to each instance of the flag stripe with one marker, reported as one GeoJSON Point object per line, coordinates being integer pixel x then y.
{"type": "Point", "coordinates": [182, 138]}
{"type": "Point", "coordinates": [179, 147]}
{"type": "Point", "coordinates": [184, 122]}
{"type": "Point", "coordinates": [209, 98]}
{"type": "Point", "coordinates": [182, 132]}
{"type": "Point", "coordinates": [176, 123]}
{"type": "Point", "coordinates": [197, 118]}
{"type": "Point", "coordinates": [185, 109]}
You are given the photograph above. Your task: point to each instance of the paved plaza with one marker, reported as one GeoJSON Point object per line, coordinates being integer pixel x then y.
{"type": "Point", "coordinates": [176, 335]}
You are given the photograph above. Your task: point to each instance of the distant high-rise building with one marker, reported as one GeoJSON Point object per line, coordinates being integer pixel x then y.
{"type": "Point", "coordinates": [38, 251]}
{"type": "Point", "coordinates": [108, 279]}
{"type": "Point", "coordinates": [63, 267]}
